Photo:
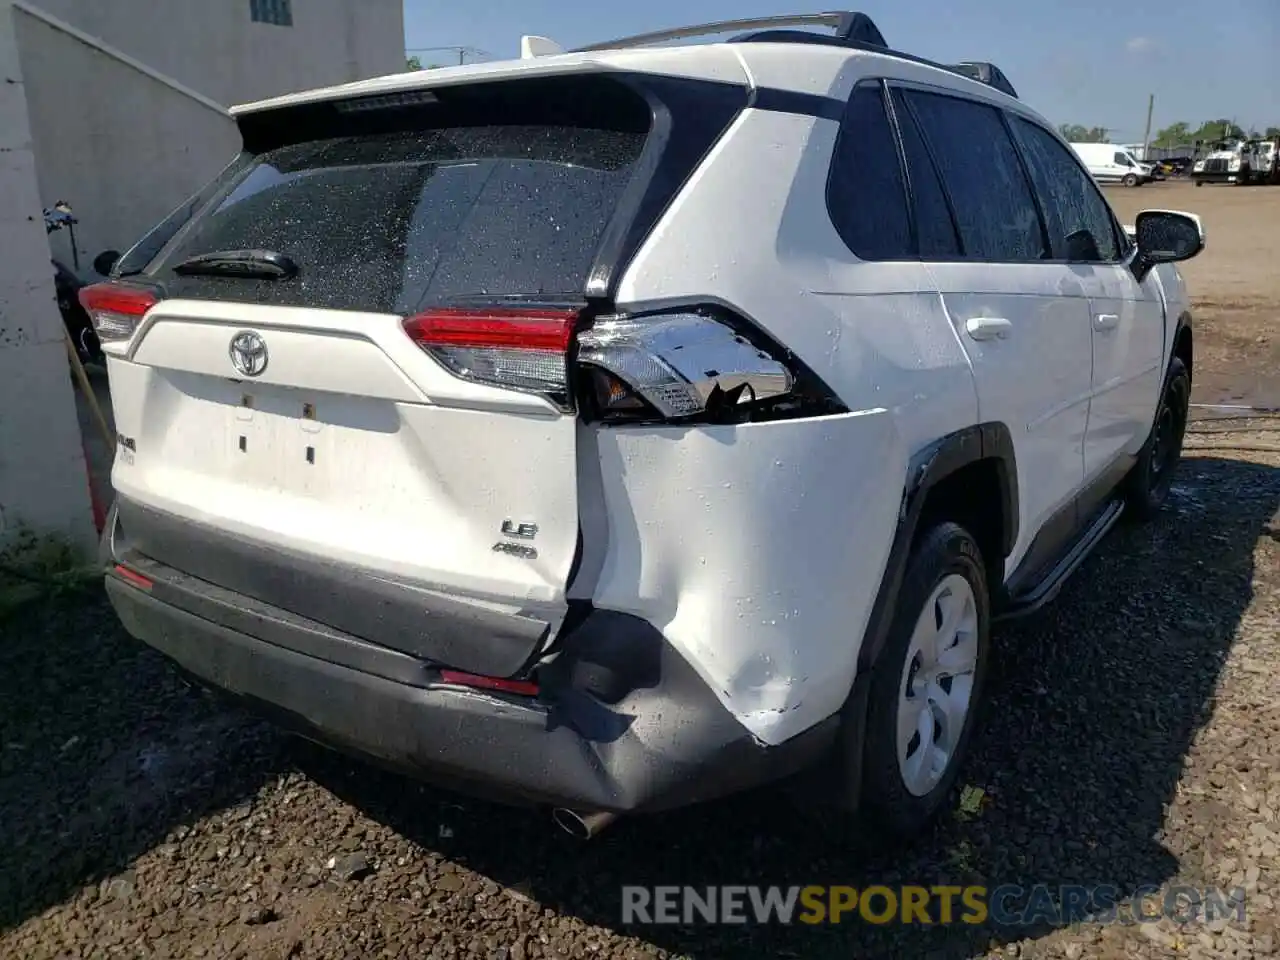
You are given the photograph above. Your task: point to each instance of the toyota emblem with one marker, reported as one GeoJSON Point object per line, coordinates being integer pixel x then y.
{"type": "Point", "coordinates": [248, 353]}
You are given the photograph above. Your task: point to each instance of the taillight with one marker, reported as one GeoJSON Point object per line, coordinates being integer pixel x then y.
{"type": "Point", "coordinates": [693, 364]}
{"type": "Point", "coordinates": [524, 348]}
{"type": "Point", "coordinates": [115, 309]}
{"type": "Point", "coordinates": [680, 366]}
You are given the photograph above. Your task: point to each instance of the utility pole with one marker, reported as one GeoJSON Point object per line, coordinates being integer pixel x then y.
{"type": "Point", "coordinates": [1146, 137]}
{"type": "Point", "coordinates": [462, 51]}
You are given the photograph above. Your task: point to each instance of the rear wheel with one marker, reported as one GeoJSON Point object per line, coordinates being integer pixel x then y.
{"type": "Point", "coordinates": [1147, 486]}
{"type": "Point", "coordinates": [927, 683]}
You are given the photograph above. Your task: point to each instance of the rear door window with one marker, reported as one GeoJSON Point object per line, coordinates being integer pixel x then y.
{"type": "Point", "coordinates": [994, 207]}
{"type": "Point", "coordinates": [391, 222]}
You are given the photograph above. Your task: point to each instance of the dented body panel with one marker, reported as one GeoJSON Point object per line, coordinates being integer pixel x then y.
{"type": "Point", "coordinates": [710, 531]}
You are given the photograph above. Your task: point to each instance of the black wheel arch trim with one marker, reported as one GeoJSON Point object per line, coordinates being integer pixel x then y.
{"type": "Point", "coordinates": [927, 468]}
{"type": "Point", "coordinates": [931, 465]}
{"type": "Point", "coordinates": [1184, 323]}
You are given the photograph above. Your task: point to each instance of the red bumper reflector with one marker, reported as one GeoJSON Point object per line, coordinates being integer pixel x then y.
{"type": "Point", "coordinates": [135, 578]}
{"type": "Point", "coordinates": [522, 688]}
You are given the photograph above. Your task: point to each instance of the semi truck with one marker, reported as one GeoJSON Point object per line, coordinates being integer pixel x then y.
{"type": "Point", "coordinates": [1268, 160]}
{"type": "Point", "coordinates": [1233, 160]}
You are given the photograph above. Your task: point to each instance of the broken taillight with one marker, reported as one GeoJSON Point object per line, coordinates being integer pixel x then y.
{"type": "Point", "coordinates": [682, 365]}
{"type": "Point", "coordinates": [692, 364]}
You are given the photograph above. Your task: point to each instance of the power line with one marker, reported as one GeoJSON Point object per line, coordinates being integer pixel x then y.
{"type": "Point", "coordinates": [462, 51]}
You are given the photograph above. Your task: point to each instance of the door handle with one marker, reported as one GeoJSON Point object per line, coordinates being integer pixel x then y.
{"type": "Point", "coordinates": [988, 328]}
{"type": "Point", "coordinates": [1106, 321]}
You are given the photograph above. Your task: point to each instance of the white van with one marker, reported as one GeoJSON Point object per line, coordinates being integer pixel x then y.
{"type": "Point", "coordinates": [1113, 163]}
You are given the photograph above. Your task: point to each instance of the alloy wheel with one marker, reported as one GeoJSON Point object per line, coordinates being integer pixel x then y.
{"type": "Point", "coordinates": [936, 689]}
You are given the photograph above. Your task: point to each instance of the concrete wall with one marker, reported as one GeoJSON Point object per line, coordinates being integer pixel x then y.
{"type": "Point", "coordinates": [124, 146]}
{"type": "Point", "coordinates": [43, 482]}
{"type": "Point", "coordinates": [124, 149]}
{"type": "Point", "coordinates": [213, 46]}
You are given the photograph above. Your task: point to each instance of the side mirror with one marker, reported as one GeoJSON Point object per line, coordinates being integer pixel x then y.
{"type": "Point", "coordinates": [1165, 236]}
{"type": "Point", "coordinates": [105, 261]}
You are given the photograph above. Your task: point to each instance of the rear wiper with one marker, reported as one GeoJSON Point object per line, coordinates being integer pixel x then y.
{"type": "Point", "coordinates": [257, 264]}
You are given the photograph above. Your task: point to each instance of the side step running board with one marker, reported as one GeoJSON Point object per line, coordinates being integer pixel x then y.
{"type": "Point", "coordinates": [1048, 588]}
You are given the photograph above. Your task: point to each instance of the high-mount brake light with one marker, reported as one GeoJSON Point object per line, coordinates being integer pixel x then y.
{"type": "Point", "coordinates": [525, 348]}
{"type": "Point", "coordinates": [387, 101]}
{"type": "Point", "coordinates": [115, 309]}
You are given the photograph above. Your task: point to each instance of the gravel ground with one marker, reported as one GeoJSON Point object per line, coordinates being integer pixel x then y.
{"type": "Point", "coordinates": [1132, 738]}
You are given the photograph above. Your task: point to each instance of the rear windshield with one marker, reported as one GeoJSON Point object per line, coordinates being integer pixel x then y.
{"type": "Point", "coordinates": [394, 221]}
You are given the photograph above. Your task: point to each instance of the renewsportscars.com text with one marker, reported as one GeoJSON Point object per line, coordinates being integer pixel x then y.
{"type": "Point", "coordinates": [1007, 905]}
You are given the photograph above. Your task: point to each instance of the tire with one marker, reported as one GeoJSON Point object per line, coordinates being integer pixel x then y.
{"type": "Point", "coordinates": [1199, 183]}
{"type": "Point", "coordinates": [1130, 180]}
{"type": "Point", "coordinates": [898, 797]}
{"type": "Point", "coordinates": [1148, 483]}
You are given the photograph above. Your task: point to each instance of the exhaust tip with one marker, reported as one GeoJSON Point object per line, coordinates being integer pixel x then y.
{"type": "Point", "coordinates": [581, 826]}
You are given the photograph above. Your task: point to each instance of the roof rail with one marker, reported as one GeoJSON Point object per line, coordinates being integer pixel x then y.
{"type": "Point", "coordinates": [847, 26]}
{"type": "Point", "coordinates": [984, 72]}
{"type": "Point", "coordinates": [850, 30]}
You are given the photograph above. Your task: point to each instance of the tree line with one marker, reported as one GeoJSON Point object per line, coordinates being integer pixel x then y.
{"type": "Point", "coordinates": [1176, 134]}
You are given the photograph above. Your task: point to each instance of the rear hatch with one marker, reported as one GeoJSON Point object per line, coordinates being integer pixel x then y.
{"type": "Point", "coordinates": [345, 392]}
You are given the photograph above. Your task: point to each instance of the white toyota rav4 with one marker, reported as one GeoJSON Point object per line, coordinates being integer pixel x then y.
{"type": "Point", "coordinates": [619, 428]}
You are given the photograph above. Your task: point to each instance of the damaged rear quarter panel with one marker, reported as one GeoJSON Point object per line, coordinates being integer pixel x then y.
{"type": "Point", "coordinates": [757, 549]}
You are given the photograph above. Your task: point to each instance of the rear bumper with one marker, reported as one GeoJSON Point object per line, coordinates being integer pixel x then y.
{"type": "Point", "coordinates": [622, 723]}
{"type": "Point", "coordinates": [427, 624]}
